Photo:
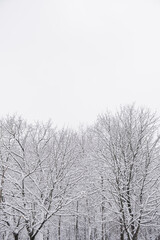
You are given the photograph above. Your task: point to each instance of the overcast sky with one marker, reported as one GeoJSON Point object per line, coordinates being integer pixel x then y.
{"type": "Point", "coordinates": [71, 60]}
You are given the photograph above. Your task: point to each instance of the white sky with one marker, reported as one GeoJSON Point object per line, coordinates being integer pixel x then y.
{"type": "Point", "coordinates": [71, 60]}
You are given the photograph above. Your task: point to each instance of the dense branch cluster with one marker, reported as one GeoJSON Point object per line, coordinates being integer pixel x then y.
{"type": "Point", "coordinates": [100, 183]}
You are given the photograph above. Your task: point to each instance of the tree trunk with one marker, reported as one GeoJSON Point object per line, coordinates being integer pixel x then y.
{"type": "Point", "coordinates": [15, 236]}
{"type": "Point", "coordinates": [76, 224]}
{"type": "Point", "coordinates": [85, 228]}
{"type": "Point", "coordinates": [121, 230]}
{"type": "Point", "coordinates": [59, 228]}
{"type": "Point", "coordinates": [102, 213]}
{"type": "Point", "coordinates": [121, 236]}
{"type": "Point", "coordinates": [31, 237]}
{"type": "Point", "coordinates": [95, 233]}
{"type": "Point", "coordinates": [135, 237]}
{"type": "Point", "coordinates": [47, 234]}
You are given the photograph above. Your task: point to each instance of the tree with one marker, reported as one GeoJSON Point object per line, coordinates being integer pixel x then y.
{"type": "Point", "coordinates": [128, 143]}
{"type": "Point", "coordinates": [39, 175]}
{"type": "Point", "coordinates": [100, 183]}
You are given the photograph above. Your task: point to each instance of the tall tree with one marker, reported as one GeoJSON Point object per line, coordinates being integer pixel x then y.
{"type": "Point", "coordinates": [127, 144]}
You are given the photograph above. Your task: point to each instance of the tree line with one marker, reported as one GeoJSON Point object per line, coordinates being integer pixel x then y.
{"type": "Point", "coordinates": [101, 182]}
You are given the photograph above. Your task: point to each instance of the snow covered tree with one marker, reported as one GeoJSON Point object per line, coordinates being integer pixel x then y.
{"type": "Point", "coordinates": [101, 183]}
{"type": "Point", "coordinates": [128, 144]}
{"type": "Point", "coordinates": [38, 176]}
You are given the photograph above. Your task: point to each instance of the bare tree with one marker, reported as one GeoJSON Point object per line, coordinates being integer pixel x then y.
{"type": "Point", "coordinates": [39, 178]}
{"type": "Point", "coordinates": [100, 183]}
{"type": "Point", "coordinates": [127, 144]}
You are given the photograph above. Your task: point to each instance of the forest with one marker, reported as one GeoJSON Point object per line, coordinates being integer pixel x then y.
{"type": "Point", "coordinates": [100, 182]}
